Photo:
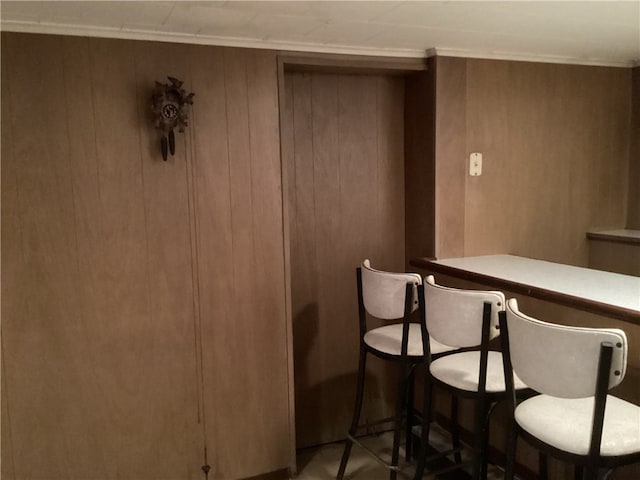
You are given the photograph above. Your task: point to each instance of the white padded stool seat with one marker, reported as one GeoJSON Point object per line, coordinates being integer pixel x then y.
{"type": "Point", "coordinates": [566, 424]}
{"type": "Point", "coordinates": [461, 371]}
{"type": "Point", "coordinates": [388, 339]}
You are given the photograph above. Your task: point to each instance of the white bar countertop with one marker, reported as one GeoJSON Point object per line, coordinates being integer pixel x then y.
{"type": "Point", "coordinates": [612, 294]}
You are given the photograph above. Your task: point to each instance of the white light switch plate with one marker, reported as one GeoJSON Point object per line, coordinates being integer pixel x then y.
{"type": "Point", "coordinates": [475, 164]}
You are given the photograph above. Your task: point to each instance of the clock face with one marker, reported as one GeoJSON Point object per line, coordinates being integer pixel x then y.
{"type": "Point", "coordinates": [169, 111]}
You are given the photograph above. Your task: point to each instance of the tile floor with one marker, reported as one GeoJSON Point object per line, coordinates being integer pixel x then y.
{"type": "Point", "coordinates": [322, 463]}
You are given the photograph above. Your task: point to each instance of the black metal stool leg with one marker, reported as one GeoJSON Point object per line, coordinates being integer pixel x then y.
{"type": "Point", "coordinates": [410, 411]}
{"type": "Point", "coordinates": [426, 420]}
{"type": "Point", "coordinates": [400, 403]}
{"type": "Point", "coordinates": [426, 425]}
{"type": "Point", "coordinates": [591, 473]}
{"type": "Point", "coordinates": [479, 446]}
{"type": "Point", "coordinates": [356, 412]}
{"type": "Point", "coordinates": [455, 430]}
{"type": "Point", "coordinates": [485, 443]}
{"type": "Point", "coordinates": [542, 466]}
{"type": "Point", "coordinates": [512, 442]}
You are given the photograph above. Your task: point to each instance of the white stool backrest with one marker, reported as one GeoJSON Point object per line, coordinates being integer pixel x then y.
{"type": "Point", "coordinates": [383, 293]}
{"type": "Point", "coordinates": [559, 360]}
{"type": "Point", "coordinates": [454, 316]}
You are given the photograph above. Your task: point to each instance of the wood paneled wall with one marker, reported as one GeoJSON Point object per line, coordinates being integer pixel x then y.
{"type": "Point", "coordinates": [419, 163]}
{"type": "Point", "coordinates": [450, 151]}
{"type": "Point", "coordinates": [143, 308]}
{"type": "Point", "coordinates": [633, 218]}
{"type": "Point", "coordinates": [554, 140]}
{"type": "Point", "coordinates": [615, 257]}
{"type": "Point", "coordinates": [343, 149]}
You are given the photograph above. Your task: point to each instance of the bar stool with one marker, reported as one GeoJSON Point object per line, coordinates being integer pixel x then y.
{"type": "Point", "coordinates": [573, 418]}
{"type": "Point", "coordinates": [466, 319]}
{"type": "Point", "coordinates": [389, 296]}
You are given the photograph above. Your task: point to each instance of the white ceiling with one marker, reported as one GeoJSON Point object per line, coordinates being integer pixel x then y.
{"type": "Point", "coordinates": [586, 32]}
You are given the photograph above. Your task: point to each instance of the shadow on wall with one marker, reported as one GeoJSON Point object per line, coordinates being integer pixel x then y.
{"type": "Point", "coordinates": [324, 408]}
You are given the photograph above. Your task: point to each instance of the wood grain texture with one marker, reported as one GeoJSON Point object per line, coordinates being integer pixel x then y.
{"type": "Point", "coordinates": [41, 323]}
{"type": "Point", "coordinates": [286, 155]}
{"type": "Point", "coordinates": [11, 263]}
{"type": "Point", "coordinates": [169, 268]}
{"type": "Point", "coordinates": [349, 64]}
{"type": "Point", "coordinates": [450, 163]}
{"type": "Point", "coordinates": [633, 215]}
{"type": "Point", "coordinates": [267, 336]}
{"type": "Point", "coordinates": [615, 257]}
{"type": "Point", "coordinates": [390, 182]}
{"type": "Point", "coordinates": [237, 167]}
{"type": "Point", "coordinates": [98, 358]}
{"type": "Point", "coordinates": [143, 301]}
{"type": "Point", "coordinates": [209, 177]}
{"type": "Point", "coordinates": [343, 150]}
{"type": "Point", "coordinates": [554, 140]}
{"type": "Point", "coordinates": [628, 237]}
{"type": "Point", "coordinates": [419, 163]}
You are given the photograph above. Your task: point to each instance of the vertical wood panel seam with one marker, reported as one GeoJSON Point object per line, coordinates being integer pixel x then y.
{"type": "Point", "coordinates": [194, 281]}
{"type": "Point", "coordinates": [436, 203]}
{"type": "Point", "coordinates": [22, 257]}
{"type": "Point", "coordinates": [192, 212]}
{"type": "Point", "coordinates": [251, 165]}
{"type": "Point", "coordinates": [147, 270]}
{"type": "Point", "coordinates": [466, 152]}
{"type": "Point", "coordinates": [95, 138]}
{"type": "Point", "coordinates": [194, 244]}
{"type": "Point", "coordinates": [13, 149]}
{"type": "Point", "coordinates": [339, 163]}
{"type": "Point", "coordinates": [226, 115]}
{"type": "Point", "coordinates": [339, 80]}
{"type": "Point", "coordinates": [313, 184]}
{"type": "Point", "coordinates": [100, 213]}
{"type": "Point", "coordinates": [379, 247]}
{"type": "Point", "coordinates": [81, 310]}
{"type": "Point", "coordinates": [7, 406]}
{"type": "Point", "coordinates": [73, 192]}
{"type": "Point", "coordinates": [630, 150]}
{"type": "Point", "coordinates": [286, 255]}
{"type": "Point", "coordinates": [287, 96]}
{"type": "Point", "coordinates": [216, 462]}
{"type": "Point", "coordinates": [61, 188]}
{"type": "Point", "coordinates": [293, 163]}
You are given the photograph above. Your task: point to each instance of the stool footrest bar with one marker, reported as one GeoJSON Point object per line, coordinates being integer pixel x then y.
{"type": "Point", "coordinates": [373, 454]}
{"type": "Point", "coordinates": [376, 457]}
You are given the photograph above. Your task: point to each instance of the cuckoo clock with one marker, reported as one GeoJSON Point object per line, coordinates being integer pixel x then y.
{"type": "Point", "coordinates": [169, 105]}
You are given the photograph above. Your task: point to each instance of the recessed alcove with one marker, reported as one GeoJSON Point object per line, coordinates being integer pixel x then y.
{"type": "Point", "coordinates": [615, 250]}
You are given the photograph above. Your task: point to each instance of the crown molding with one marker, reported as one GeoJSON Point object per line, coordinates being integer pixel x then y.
{"type": "Point", "coordinates": [599, 62]}
{"type": "Point", "coordinates": [197, 39]}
